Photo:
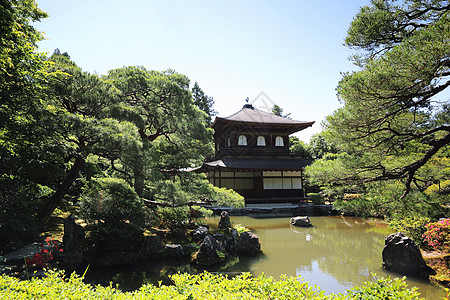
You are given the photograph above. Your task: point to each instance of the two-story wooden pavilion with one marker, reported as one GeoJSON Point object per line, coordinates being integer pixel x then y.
{"type": "Point", "coordinates": [253, 158]}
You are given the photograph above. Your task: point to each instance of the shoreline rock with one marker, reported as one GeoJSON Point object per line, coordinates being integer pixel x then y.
{"type": "Point", "coordinates": [401, 254]}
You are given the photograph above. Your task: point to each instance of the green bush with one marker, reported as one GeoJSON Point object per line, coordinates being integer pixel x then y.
{"type": "Point", "coordinates": [240, 229]}
{"type": "Point", "coordinates": [413, 227]}
{"type": "Point", "coordinates": [203, 286]}
{"type": "Point", "coordinates": [115, 216]}
{"type": "Point", "coordinates": [383, 288]}
{"type": "Point", "coordinates": [111, 201]}
{"type": "Point", "coordinates": [316, 198]}
{"type": "Point", "coordinates": [173, 217]}
{"type": "Point", "coordinates": [17, 232]}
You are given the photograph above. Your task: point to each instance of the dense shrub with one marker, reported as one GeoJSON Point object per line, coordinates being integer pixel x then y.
{"type": "Point", "coordinates": [17, 232]}
{"type": "Point", "coordinates": [413, 227]}
{"type": "Point", "coordinates": [115, 216]}
{"type": "Point", "coordinates": [173, 217]}
{"type": "Point", "coordinates": [111, 201]}
{"type": "Point", "coordinates": [203, 286]}
{"type": "Point", "coordinates": [383, 288]}
{"type": "Point", "coordinates": [316, 198]}
{"type": "Point", "coordinates": [438, 235]}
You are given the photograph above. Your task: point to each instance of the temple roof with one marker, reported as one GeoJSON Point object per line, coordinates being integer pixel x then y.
{"type": "Point", "coordinates": [261, 164]}
{"type": "Point", "coordinates": [249, 115]}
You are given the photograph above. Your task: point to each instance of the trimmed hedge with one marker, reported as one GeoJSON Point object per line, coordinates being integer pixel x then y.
{"type": "Point", "coordinates": [203, 286]}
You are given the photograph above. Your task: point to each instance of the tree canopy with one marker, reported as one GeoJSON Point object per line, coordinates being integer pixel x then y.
{"type": "Point", "coordinates": [203, 102]}
{"type": "Point", "coordinates": [394, 124]}
{"type": "Point", "coordinates": [68, 137]}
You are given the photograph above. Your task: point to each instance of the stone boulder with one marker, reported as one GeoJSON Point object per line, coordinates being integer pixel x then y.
{"type": "Point", "coordinates": [248, 244]}
{"type": "Point", "coordinates": [73, 242]}
{"type": "Point", "coordinates": [229, 243]}
{"type": "Point", "coordinates": [209, 253]}
{"type": "Point", "coordinates": [221, 238]}
{"type": "Point", "coordinates": [301, 221]}
{"type": "Point", "coordinates": [199, 233]}
{"type": "Point", "coordinates": [401, 254]}
{"type": "Point", "coordinates": [18, 257]}
{"type": "Point", "coordinates": [224, 222]}
{"type": "Point", "coordinates": [174, 251]}
{"type": "Point", "coordinates": [151, 246]}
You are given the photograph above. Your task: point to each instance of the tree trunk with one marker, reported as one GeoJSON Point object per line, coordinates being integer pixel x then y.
{"type": "Point", "coordinates": [62, 190]}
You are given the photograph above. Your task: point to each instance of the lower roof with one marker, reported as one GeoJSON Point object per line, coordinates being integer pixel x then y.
{"type": "Point", "coordinates": [260, 164]}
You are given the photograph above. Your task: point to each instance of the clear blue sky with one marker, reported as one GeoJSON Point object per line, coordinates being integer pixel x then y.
{"type": "Point", "coordinates": [289, 50]}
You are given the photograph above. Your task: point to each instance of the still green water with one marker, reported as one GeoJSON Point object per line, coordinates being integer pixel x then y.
{"type": "Point", "coordinates": [335, 254]}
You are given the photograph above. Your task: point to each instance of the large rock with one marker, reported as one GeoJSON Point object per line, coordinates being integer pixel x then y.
{"type": "Point", "coordinates": [209, 253]}
{"type": "Point", "coordinates": [248, 244]}
{"type": "Point", "coordinates": [400, 254]}
{"type": "Point", "coordinates": [199, 233]}
{"type": "Point", "coordinates": [151, 246]}
{"type": "Point", "coordinates": [301, 221]}
{"type": "Point", "coordinates": [224, 222]}
{"type": "Point", "coordinates": [174, 251]}
{"type": "Point", "coordinates": [73, 242]}
{"type": "Point", "coordinates": [18, 257]}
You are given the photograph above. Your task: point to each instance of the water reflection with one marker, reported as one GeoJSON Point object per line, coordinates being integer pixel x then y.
{"type": "Point", "coordinates": [336, 254]}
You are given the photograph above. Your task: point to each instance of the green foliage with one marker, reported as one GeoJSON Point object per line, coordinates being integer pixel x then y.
{"type": "Point", "coordinates": [203, 102]}
{"type": "Point", "coordinates": [298, 147]}
{"type": "Point", "coordinates": [196, 212]}
{"type": "Point", "coordinates": [316, 198]}
{"type": "Point", "coordinates": [438, 188]}
{"type": "Point", "coordinates": [203, 286]}
{"type": "Point", "coordinates": [320, 145]}
{"type": "Point", "coordinates": [278, 111]}
{"type": "Point", "coordinates": [437, 235]}
{"type": "Point", "coordinates": [25, 169]}
{"type": "Point", "coordinates": [382, 199]}
{"type": "Point", "coordinates": [393, 126]}
{"type": "Point", "coordinates": [413, 227]}
{"type": "Point", "coordinates": [19, 62]}
{"type": "Point", "coordinates": [111, 201]}
{"type": "Point", "coordinates": [388, 120]}
{"type": "Point", "coordinates": [114, 214]}
{"type": "Point", "coordinates": [324, 171]}
{"type": "Point", "coordinates": [227, 197]}
{"type": "Point", "coordinates": [240, 229]}
{"type": "Point", "coordinates": [383, 288]}
{"type": "Point", "coordinates": [17, 232]}
{"type": "Point", "coordinates": [173, 217]}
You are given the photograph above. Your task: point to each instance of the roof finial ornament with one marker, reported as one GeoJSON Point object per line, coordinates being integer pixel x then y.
{"type": "Point", "coordinates": [248, 105]}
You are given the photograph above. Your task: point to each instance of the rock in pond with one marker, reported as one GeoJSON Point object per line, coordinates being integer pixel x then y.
{"type": "Point", "coordinates": [174, 251]}
{"type": "Point", "coordinates": [301, 221]}
{"type": "Point", "coordinates": [248, 244]}
{"type": "Point", "coordinates": [210, 252]}
{"type": "Point", "coordinates": [199, 233]}
{"type": "Point", "coordinates": [401, 254]}
{"type": "Point", "coordinates": [224, 222]}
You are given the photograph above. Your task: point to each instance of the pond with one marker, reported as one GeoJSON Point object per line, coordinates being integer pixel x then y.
{"type": "Point", "coordinates": [335, 254]}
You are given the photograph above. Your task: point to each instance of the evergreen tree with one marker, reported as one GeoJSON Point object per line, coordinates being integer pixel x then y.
{"type": "Point", "coordinates": [203, 102]}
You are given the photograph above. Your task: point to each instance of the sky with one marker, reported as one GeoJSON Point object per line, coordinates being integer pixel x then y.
{"type": "Point", "coordinates": [288, 53]}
